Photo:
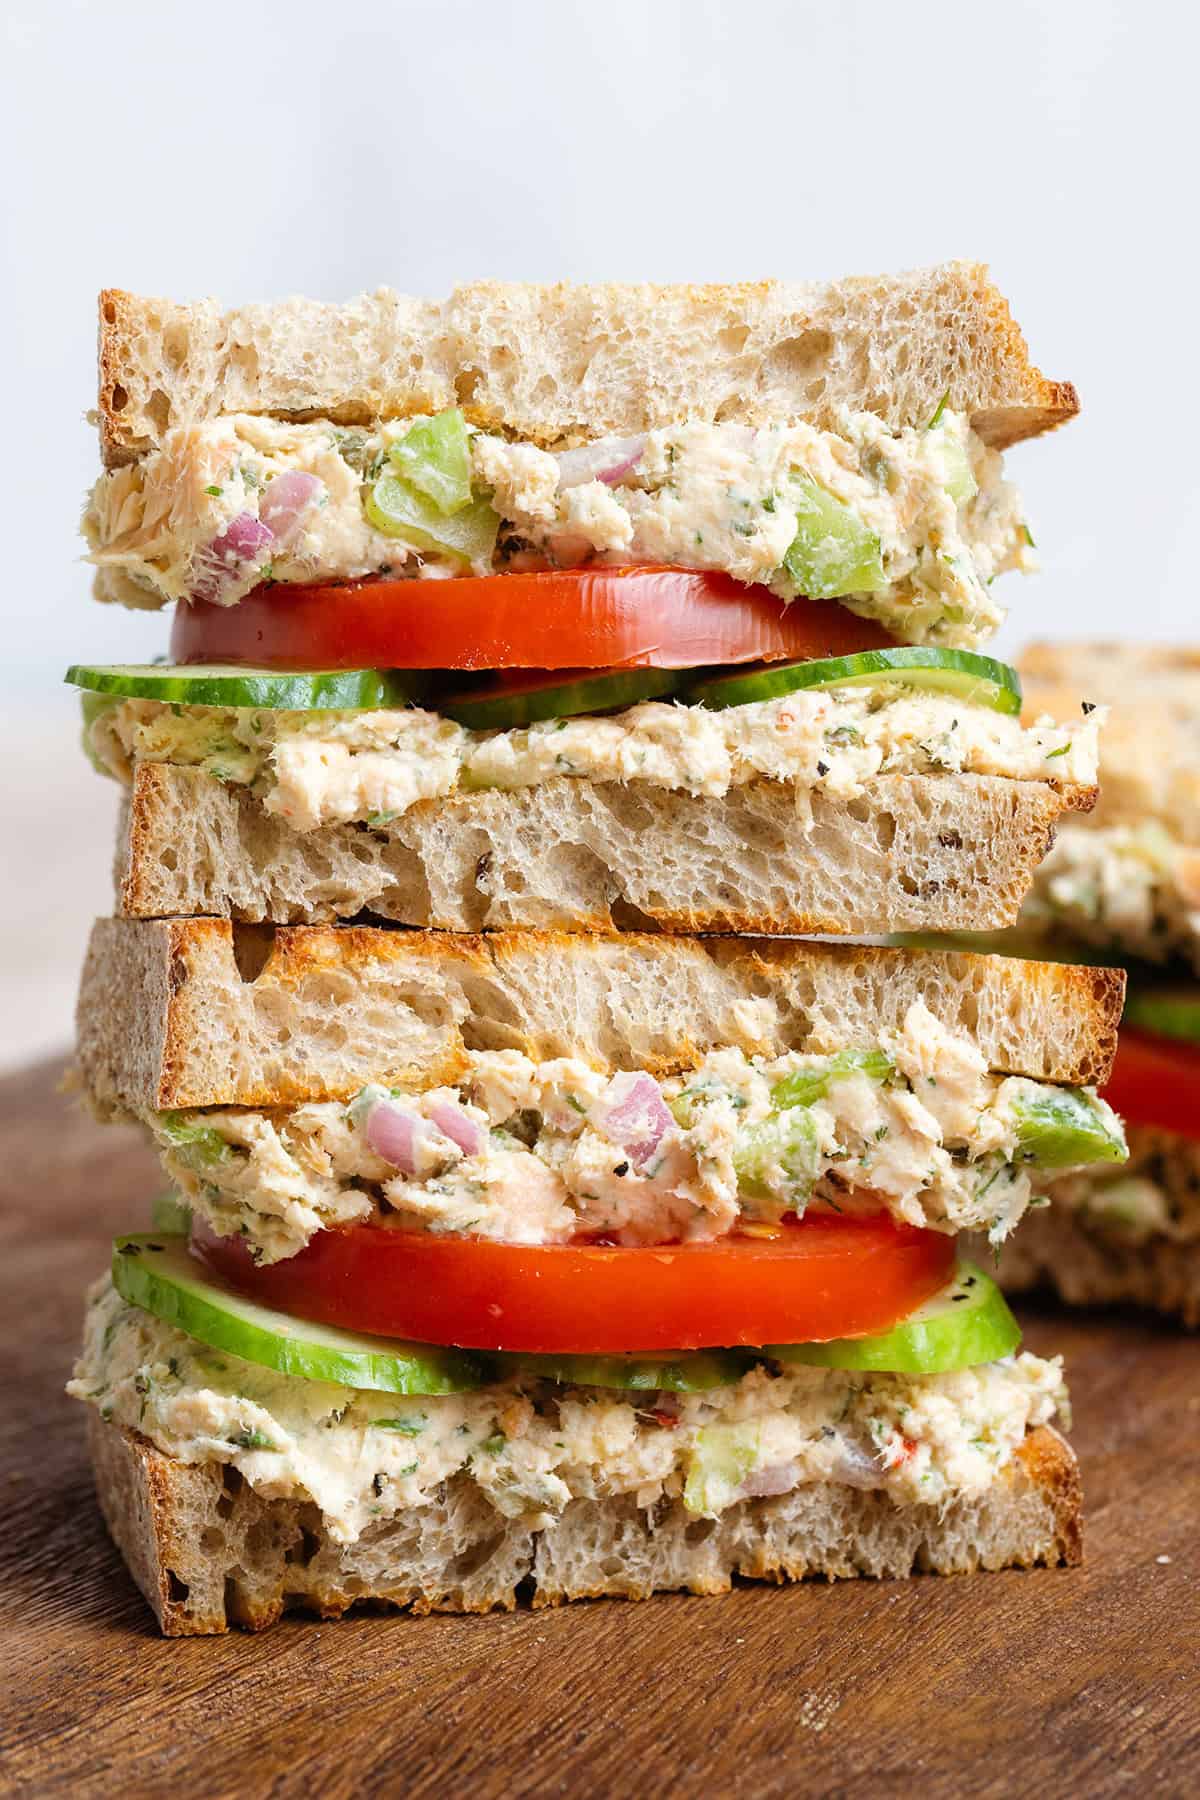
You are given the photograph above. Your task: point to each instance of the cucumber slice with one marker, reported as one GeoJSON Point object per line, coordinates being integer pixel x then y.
{"type": "Point", "coordinates": [310, 690]}
{"type": "Point", "coordinates": [975, 680]}
{"type": "Point", "coordinates": [1062, 1128]}
{"type": "Point", "coordinates": [967, 1323]}
{"type": "Point", "coordinates": [689, 1372]}
{"type": "Point", "coordinates": [156, 1272]}
{"type": "Point", "coordinates": [1172, 1012]}
{"type": "Point", "coordinates": [550, 696]}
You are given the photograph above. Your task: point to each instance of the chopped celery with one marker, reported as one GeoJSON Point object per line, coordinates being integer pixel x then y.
{"type": "Point", "coordinates": [960, 482]}
{"type": "Point", "coordinates": [779, 1158]}
{"type": "Point", "coordinates": [833, 551]}
{"type": "Point", "coordinates": [720, 1461]}
{"type": "Point", "coordinates": [399, 510]}
{"type": "Point", "coordinates": [1061, 1128]}
{"type": "Point", "coordinates": [435, 458]}
{"type": "Point", "coordinates": [200, 1144]}
{"type": "Point", "coordinates": [803, 1086]}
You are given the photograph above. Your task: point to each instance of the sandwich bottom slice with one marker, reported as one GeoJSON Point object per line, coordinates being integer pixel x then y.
{"type": "Point", "coordinates": [236, 1492]}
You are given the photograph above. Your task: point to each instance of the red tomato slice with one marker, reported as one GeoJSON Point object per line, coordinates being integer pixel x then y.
{"type": "Point", "coordinates": [823, 1277]}
{"type": "Point", "coordinates": [1156, 1081]}
{"type": "Point", "coordinates": [559, 619]}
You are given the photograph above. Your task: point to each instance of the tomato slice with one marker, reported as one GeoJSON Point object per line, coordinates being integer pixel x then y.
{"type": "Point", "coordinates": [1156, 1081]}
{"type": "Point", "coordinates": [823, 1277]}
{"type": "Point", "coordinates": [558, 619]}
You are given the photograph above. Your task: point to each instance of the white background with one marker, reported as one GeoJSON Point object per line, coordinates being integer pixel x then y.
{"type": "Point", "coordinates": [252, 151]}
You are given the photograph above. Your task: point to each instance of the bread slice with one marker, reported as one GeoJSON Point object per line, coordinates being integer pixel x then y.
{"type": "Point", "coordinates": [198, 1012]}
{"type": "Point", "coordinates": [208, 1552]}
{"type": "Point", "coordinates": [1150, 747]}
{"type": "Point", "coordinates": [1056, 1250]}
{"type": "Point", "coordinates": [913, 853]}
{"type": "Point", "coordinates": [556, 364]}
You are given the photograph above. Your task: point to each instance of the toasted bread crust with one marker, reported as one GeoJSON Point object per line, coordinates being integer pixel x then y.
{"type": "Point", "coordinates": [266, 1557]}
{"type": "Point", "coordinates": [913, 853]}
{"type": "Point", "coordinates": [558, 363]}
{"type": "Point", "coordinates": [168, 1016]}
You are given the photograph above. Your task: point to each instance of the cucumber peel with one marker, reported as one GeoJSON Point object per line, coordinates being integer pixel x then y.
{"type": "Point", "coordinates": [156, 1272]}
{"type": "Point", "coordinates": [690, 1372]}
{"type": "Point", "coordinates": [968, 1322]}
{"type": "Point", "coordinates": [551, 696]}
{"type": "Point", "coordinates": [961, 674]}
{"type": "Point", "coordinates": [1172, 1012]}
{"type": "Point", "coordinates": [272, 690]}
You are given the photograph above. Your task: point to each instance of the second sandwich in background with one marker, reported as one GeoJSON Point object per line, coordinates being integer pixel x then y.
{"type": "Point", "coordinates": [1125, 888]}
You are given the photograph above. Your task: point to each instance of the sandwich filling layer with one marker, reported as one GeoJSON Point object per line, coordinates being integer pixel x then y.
{"type": "Point", "coordinates": [321, 768]}
{"type": "Point", "coordinates": [533, 1446]}
{"type": "Point", "coordinates": [547, 1153]}
{"type": "Point", "coordinates": [1130, 888]}
{"type": "Point", "coordinates": [909, 527]}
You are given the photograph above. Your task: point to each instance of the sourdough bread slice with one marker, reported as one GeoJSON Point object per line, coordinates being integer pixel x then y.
{"type": "Point", "coordinates": [1057, 1250]}
{"type": "Point", "coordinates": [915, 853]}
{"type": "Point", "coordinates": [556, 364]}
{"type": "Point", "coordinates": [208, 1553]}
{"type": "Point", "coordinates": [196, 1012]}
{"type": "Point", "coordinates": [1150, 746]}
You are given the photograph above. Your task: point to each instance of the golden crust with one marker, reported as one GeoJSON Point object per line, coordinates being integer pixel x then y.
{"type": "Point", "coordinates": [441, 362]}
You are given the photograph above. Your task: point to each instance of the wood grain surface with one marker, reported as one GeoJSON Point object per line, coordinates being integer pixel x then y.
{"type": "Point", "coordinates": [1053, 1683]}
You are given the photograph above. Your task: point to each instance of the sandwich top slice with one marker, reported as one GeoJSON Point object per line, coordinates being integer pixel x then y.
{"type": "Point", "coordinates": [838, 441]}
{"type": "Point", "coordinates": [613, 1265]}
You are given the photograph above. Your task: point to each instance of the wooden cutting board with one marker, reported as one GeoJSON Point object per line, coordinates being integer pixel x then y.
{"type": "Point", "coordinates": [1086, 1681]}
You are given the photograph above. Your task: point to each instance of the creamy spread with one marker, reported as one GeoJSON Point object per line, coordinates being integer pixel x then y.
{"type": "Point", "coordinates": [531, 1447]}
{"type": "Point", "coordinates": [315, 769]}
{"type": "Point", "coordinates": [1133, 889]}
{"type": "Point", "coordinates": [187, 521]}
{"type": "Point", "coordinates": [1154, 1197]}
{"type": "Point", "coordinates": [542, 1153]}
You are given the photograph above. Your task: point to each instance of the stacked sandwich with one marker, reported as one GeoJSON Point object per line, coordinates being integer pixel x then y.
{"type": "Point", "coordinates": [1127, 889]}
{"type": "Point", "coordinates": [541, 1245]}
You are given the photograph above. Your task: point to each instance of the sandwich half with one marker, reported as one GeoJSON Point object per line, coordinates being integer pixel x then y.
{"type": "Point", "coordinates": [545, 1264]}
{"type": "Point", "coordinates": [1126, 888]}
{"type": "Point", "coordinates": [577, 608]}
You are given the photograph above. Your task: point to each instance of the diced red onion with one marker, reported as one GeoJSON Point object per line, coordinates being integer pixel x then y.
{"type": "Point", "coordinates": [776, 1478]}
{"type": "Point", "coordinates": [605, 461]}
{"type": "Point", "coordinates": [217, 567]}
{"type": "Point", "coordinates": [393, 1133]}
{"type": "Point", "coordinates": [855, 1467]}
{"type": "Point", "coordinates": [458, 1126]}
{"type": "Point", "coordinates": [637, 1116]}
{"type": "Point", "coordinates": [286, 500]}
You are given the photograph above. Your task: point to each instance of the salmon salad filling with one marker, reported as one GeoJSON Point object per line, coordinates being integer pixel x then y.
{"type": "Point", "coordinates": [1130, 888]}
{"type": "Point", "coordinates": [532, 1446]}
{"type": "Point", "coordinates": [547, 1153]}
{"type": "Point", "coordinates": [909, 528]}
{"type": "Point", "coordinates": [368, 767]}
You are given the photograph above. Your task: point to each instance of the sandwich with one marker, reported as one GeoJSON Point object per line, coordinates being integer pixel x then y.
{"type": "Point", "coordinates": [523, 1236]}
{"type": "Point", "coordinates": [534, 1263]}
{"type": "Point", "coordinates": [751, 540]}
{"type": "Point", "coordinates": [1127, 890]}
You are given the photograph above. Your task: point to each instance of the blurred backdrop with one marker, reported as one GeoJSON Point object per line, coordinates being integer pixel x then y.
{"type": "Point", "coordinates": [251, 151]}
